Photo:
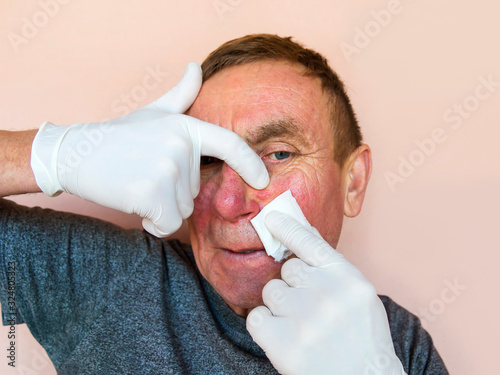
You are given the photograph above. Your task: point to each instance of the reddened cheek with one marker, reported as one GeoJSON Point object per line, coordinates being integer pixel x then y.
{"type": "Point", "coordinates": [202, 201]}
{"type": "Point", "coordinates": [202, 212]}
{"type": "Point", "coordinates": [280, 184]}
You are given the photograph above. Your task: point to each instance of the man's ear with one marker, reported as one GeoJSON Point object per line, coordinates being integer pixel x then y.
{"type": "Point", "coordinates": [357, 171]}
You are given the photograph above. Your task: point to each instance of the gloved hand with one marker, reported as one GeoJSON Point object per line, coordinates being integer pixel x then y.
{"type": "Point", "coordinates": [147, 162]}
{"type": "Point", "coordinates": [323, 316]}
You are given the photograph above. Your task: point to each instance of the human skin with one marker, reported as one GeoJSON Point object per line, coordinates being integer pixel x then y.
{"type": "Point", "coordinates": [16, 176]}
{"type": "Point", "coordinates": [285, 117]}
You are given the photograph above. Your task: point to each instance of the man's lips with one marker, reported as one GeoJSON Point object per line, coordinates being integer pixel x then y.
{"type": "Point", "coordinates": [243, 251]}
{"type": "Point", "coordinates": [248, 257]}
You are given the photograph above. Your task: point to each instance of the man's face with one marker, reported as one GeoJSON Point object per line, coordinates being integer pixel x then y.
{"type": "Point", "coordinates": [284, 116]}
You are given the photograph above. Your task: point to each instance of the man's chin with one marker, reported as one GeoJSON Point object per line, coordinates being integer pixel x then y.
{"type": "Point", "coordinates": [243, 300]}
{"type": "Point", "coordinates": [243, 308]}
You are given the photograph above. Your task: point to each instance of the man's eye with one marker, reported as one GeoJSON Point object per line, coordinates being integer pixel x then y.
{"type": "Point", "coordinates": [280, 155]}
{"type": "Point", "coordinates": [208, 160]}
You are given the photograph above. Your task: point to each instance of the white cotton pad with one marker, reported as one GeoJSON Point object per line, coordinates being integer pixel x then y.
{"type": "Point", "coordinates": [287, 204]}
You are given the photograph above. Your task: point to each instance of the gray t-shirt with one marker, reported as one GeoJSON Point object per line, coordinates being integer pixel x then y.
{"type": "Point", "coordinates": [104, 300]}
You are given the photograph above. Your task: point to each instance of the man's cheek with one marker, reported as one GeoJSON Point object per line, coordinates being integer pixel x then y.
{"type": "Point", "coordinates": [202, 207]}
{"type": "Point", "coordinates": [306, 198]}
{"type": "Point", "coordinates": [293, 182]}
{"type": "Point", "coordinates": [204, 198]}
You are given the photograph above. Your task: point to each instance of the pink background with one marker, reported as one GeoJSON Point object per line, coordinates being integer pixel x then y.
{"type": "Point", "coordinates": [78, 61]}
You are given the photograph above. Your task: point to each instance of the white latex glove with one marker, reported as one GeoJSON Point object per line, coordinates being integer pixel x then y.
{"type": "Point", "coordinates": [323, 316]}
{"type": "Point", "coordinates": [147, 162]}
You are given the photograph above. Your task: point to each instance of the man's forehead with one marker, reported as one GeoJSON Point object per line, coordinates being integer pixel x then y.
{"type": "Point", "coordinates": [258, 78]}
{"type": "Point", "coordinates": [260, 101]}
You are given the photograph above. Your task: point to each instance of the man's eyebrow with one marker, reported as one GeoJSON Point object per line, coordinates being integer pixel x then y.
{"type": "Point", "coordinates": [282, 128]}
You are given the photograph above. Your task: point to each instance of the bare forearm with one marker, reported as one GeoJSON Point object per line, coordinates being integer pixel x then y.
{"type": "Point", "coordinates": [16, 176]}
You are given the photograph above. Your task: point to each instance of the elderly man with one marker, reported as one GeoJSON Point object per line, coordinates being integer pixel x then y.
{"type": "Point", "coordinates": [270, 117]}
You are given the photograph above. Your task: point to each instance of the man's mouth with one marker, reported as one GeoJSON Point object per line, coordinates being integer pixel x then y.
{"type": "Point", "coordinates": [248, 251]}
{"type": "Point", "coordinates": [253, 258]}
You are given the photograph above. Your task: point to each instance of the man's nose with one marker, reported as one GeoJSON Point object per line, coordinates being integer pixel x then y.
{"type": "Point", "coordinates": [234, 199]}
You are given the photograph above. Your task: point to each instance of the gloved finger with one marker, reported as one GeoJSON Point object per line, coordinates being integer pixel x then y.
{"type": "Point", "coordinates": [282, 300]}
{"type": "Point", "coordinates": [159, 230]}
{"type": "Point", "coordinates": [229, 147]}
{"type": "Point", "coordinates": [295, 272]}
{"type": "Point", "coordinates": [173, 192]}
{"type": "Point", "coordinates": [167, 219]}
{"type": "Point", "coordinates": [266, 330]}
{"type": "Point", "coordinates": [257, 323]}
{"type": "Point", "coordinates": [312, 249]}
{"type": "Point", "coordinates": [182, 95]}
{"type": "Point", "coordinates": [151, 228]}
{"type": "Point", "coordinates": [194, 168]}
{"type": "Point", "coordinates": [274, 296]}
{"type": "Point", "coordinates": [257, 317]}
{"type": "Point", "coordinates": [185, 202]}
{"type": "Point", "coordinates": [316, 232]}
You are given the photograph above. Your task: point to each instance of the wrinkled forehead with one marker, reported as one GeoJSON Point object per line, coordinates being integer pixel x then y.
{"type": "Point", "coordinates": [254, 93]}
